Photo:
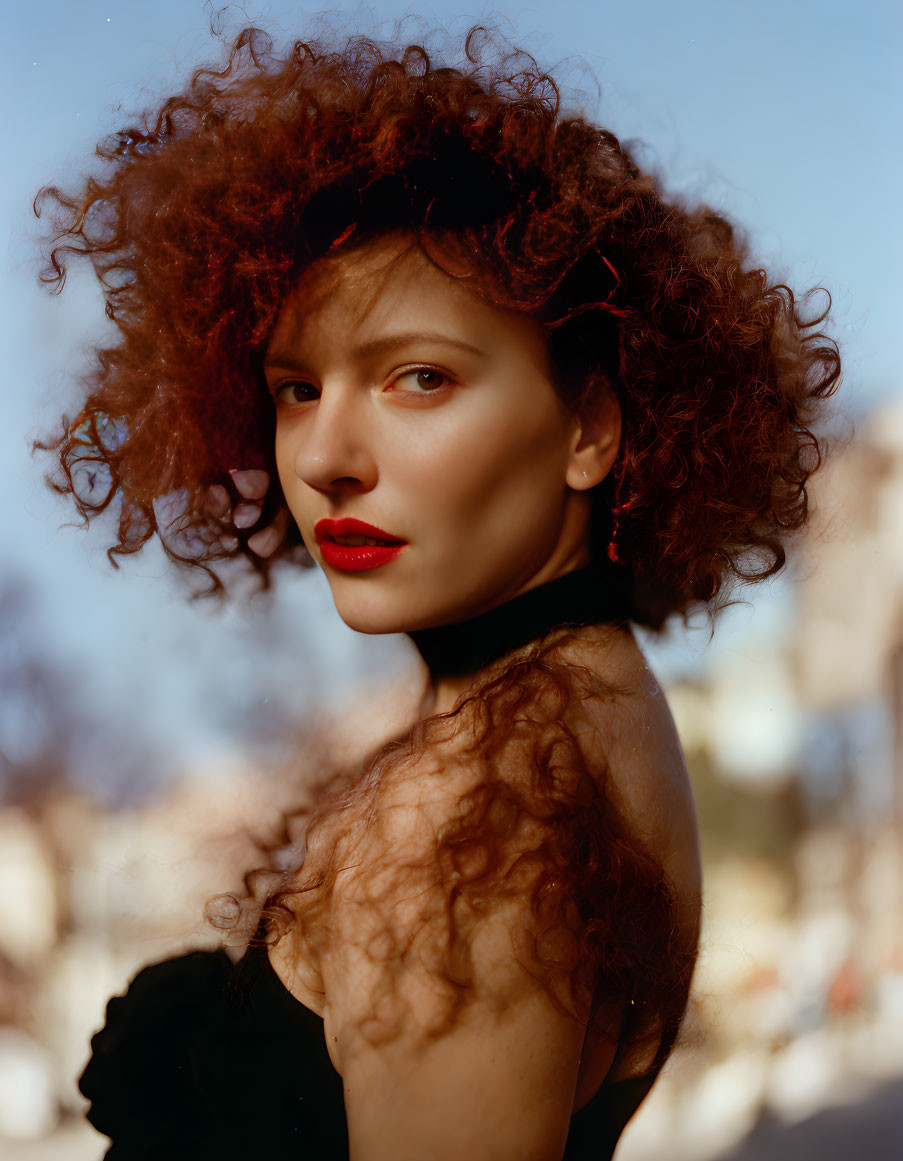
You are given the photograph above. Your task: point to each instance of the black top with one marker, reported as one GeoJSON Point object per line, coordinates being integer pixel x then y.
{"type": "Point", "coordinates": [206, 1060]}
{"type": "Point", "coordinates": [203, 1060]}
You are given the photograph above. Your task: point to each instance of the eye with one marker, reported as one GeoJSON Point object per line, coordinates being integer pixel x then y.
{"type": "Point", "coordinates": [294, 391]}
{"type": "Point", "coordinates": [423, 380]}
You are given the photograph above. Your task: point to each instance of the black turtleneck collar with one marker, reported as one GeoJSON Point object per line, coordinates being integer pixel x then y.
{"type": "Point", "coordinates": [589, 595]}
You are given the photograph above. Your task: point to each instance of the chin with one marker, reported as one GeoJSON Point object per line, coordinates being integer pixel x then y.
{"type": "Point", "coordinates": [373, 625]}
{"type": "Point", "coordinates": [384, 603]}
{"type": "Point", "coordinates": [373, 617]}
{"type": "Point", "coordinates": [391, 616]}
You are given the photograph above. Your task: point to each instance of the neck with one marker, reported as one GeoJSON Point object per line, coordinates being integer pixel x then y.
{"type": "Point", "coordinates": [455, 653]}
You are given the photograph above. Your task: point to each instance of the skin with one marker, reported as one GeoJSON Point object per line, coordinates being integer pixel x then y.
{"type": "Point", "coordinates": [405, 400]}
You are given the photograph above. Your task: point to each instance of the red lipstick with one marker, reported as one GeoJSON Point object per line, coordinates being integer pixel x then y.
{"type": "Point", "coordinates": [332, 538]}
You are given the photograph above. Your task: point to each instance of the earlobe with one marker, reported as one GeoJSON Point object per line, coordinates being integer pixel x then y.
{"type": "Point", "coordinates": [596, 442]}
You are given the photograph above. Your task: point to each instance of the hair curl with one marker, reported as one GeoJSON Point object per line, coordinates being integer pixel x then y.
{"type": "Point", "coordinates": [208, 211]}
{"type": "Point", "coordinates": [536, 820]}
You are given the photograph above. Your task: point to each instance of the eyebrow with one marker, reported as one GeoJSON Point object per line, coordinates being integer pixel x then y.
{"type": "Point", "coordinates": [378, 346]}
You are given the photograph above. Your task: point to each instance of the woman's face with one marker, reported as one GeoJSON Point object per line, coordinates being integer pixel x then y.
{"type": "Point", "coordinates": [407, 403]}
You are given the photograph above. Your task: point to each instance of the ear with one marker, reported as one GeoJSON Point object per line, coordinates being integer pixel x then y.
{"type": "Point", "coordinates": [597, 437]}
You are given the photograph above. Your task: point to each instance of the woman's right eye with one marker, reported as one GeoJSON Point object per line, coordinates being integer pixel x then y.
{"type": "Point", "coordinates": [294, 391]}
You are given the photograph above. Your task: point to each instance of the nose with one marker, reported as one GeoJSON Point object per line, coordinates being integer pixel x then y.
{"type": "Point", "coordinates": [335, 450]}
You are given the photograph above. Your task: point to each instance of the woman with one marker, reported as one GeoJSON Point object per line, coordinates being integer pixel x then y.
{"type": "Point", "coordinates": [509, 398]}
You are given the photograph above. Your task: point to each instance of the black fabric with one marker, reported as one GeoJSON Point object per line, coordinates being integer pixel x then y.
{"type": "Point", "coordinates": [596, 593]}
{"type": "Point", "coordinates": [210, 1061]}
{"type": "Point", "coordinates": [203, 1060]}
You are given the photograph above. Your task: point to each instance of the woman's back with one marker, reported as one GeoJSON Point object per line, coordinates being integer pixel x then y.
{"type": "Point", "coordinates": [425, 950]}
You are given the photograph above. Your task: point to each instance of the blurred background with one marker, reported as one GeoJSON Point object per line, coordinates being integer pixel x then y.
{"type": "Point", "coordinates": [145, 741]}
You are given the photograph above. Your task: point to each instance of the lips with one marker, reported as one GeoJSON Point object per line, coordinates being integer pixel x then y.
{"type": "Point", "coordinates": [332, 538]}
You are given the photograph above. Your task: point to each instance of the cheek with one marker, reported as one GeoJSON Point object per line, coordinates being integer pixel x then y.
{"type": "Point", "coordinates": [485, 478]}
{"type": "Point", "coordinates": [281, 453]}
{"type": "Point", "coordinates": [292, 489]}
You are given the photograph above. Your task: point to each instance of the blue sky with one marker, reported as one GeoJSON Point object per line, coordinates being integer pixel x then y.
{"type": "Point", "coordinates": [784, 114]}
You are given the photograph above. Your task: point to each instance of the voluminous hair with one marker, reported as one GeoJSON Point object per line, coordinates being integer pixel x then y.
{"type": "Point", "coordinates": [208, 211]}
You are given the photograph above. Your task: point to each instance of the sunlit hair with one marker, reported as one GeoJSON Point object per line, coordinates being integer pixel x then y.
{"type": "Point", "coordinates": [536, 836]}
{"type": "Point", "coordinates": [208, 211]}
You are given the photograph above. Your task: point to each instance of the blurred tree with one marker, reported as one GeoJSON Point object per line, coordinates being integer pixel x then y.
{"type": "Point", "coordinates": [38, 717]}
{"type": "Point", "coordinates": [49, 741]}
{"type": "Point", "coordinates": [744, 821]}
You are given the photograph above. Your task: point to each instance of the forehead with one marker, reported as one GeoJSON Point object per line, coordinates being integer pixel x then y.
{"type": "Point", "coordinates": [391, 285]}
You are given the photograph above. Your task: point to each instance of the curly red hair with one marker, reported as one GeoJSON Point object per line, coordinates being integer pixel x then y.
{"type": "Point", "coordinates": [536, 818]}
{"type": "Point", "coordinates": [208, 211]}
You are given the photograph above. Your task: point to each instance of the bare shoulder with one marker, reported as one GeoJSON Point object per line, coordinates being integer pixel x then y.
{"type": "Point", "coordinates": [626, 727]}
{"type": "Point", "coordinates": [436, 911]}
{"type": "Point", "coordinates": [461, 812]}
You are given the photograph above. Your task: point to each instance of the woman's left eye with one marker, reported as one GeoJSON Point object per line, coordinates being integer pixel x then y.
{"type": "Point", "coordinates": [422, 380]}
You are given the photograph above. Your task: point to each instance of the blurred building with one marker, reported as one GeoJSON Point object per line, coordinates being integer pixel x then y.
{"type": "Point", "coordinates": [849, 651]}
{"type": "Point", "coordinates": [795, 744]}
